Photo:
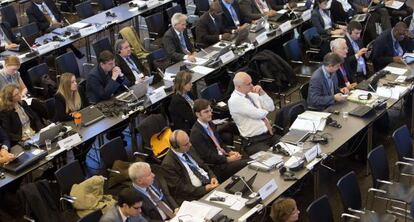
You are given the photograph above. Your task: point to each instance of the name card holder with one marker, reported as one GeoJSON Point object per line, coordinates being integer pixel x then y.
{"type": "Point", "coordinates": [88, 30]}
{"type": "Point", "coordinates": [286, 26]}
{"type": "Point", "coordinates": [157, 95]}
{"type": "Point", "coordinates": [69, 141]}
{"type": "Point", "coordinates": [227, 57]}
{"type": "Point", "coordinates": [260, 39]}
{"type": "Point", "coordinates": [47, 47]}
{"type": "Point", "coordinates": [268, 189]}
{"type": "Point", "coordinates": [312, 153]}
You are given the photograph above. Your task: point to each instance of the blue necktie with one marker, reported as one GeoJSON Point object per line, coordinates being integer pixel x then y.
{"type": "Point", "coordinates": [234, 16]}
{"type": "Point", "coordinates": [397, 49]}
{"type": "Point", "coordinates": [183, 45]}
{"type": "Point", "coordinates": [195, 168]}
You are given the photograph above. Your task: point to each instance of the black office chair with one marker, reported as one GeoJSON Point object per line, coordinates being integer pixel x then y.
{"type": "Point", "coordinates": [48, 108]}
{"type": "Point", "coordinates": [151, 125]}
{"type": "Point", "coordinates": [295, 110]}
{"type": "Point", "coordinates": [385, 189]}
{"type": "Point", "coordinates": [313, 43]}
{"type": "Point", "coordinates": [36, 74]}
{"type": "Point", "coordinates": [320, 210]}
{"type": "Point", "coordinates": [102, 45]}
{"type": "Point", "coordinates": [293, 52]}
{"type": "Point", "coordinates": [29, 30]}
{"type": "Point", "coordinates": [351, 200]}
{"type": "Point", "coordinates": [84, 9]}
{"type": "Point", "coordinates": [8, 14]}
{"type": "Point", "coordinates": [407, 20]}
{"type": "Point", "coordinates": [212, 92]}
{"type": "Point", "coordinates": [67, 62]}
{"type": "Point", "coordinates": [156, 27]}
{"type": "Point", "coordinates": [172, 10]}
{"type": "Point", "coordinates": [92, 217]}
{"type": "Point", "coordinates": [202, 6]}
{"type": "Point", "coordinates": [105, 4]}
{"type": "Point", "coordinates": [82, 92]}
{"type": "Point", "coordinates": [111, 151]}
{"type": "Point", "coordinates": [158, 59]}
{"type": "Point", "coordinates": [404, 145]}
{"type": "Point", "coordinates": [304, 90]}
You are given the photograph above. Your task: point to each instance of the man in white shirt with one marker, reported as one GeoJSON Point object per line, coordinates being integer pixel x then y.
{"type": "Point", "coordinates": [249, 106]}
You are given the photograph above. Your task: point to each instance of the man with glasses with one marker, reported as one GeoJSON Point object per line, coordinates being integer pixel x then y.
{"type": "Point", "coordinates": [128, 208]}
{"type": "Point", "coordinates": [249, 106]}
{"type": "Point", "coordinates": [391, 45]}
{"type": "Point", "coordinates": [187, 176]}
{"type": "Point", "coordinates": [207, 142]}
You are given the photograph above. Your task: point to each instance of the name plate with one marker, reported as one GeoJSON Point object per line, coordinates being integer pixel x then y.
{"type": "Point", "coordinates": [268, 189]}
{"type": "Point", "coordinates": [260, 39]}
{"type": "Point", "coordinates": [88, 30]}
{"type": "Point", "coordinates": [69, 141]}
{"type": "Point", "coordinates": [157, 95]}
{"type": "Point", "coordinates": [228, 56]}
{"type": "Point", "coordinates": [47, 47]}
{"type": "Point", "coordinates": [312, 153]}
{"type": "Point", "coordinates": [284, 27]}
{"type": "Point", "coordinates": [306, 15]}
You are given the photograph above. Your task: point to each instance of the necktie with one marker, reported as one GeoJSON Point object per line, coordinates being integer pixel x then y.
{"type": "Point", "coordinates": [132, 64]}
{"type": "Point", "coordinates": [213, 137]}
{"type": "Point", "coordinates": [204, 180]}
{"type": "Point", "coordinates": [234, 16]}
{"type": "Point", "coordinates": [160, 204]}
{"type": "Point", "coordinates": [397, 49]}
{"type": "Point", "coordinates": [46, 14]}
{"type": "Point", "coordinates": [265, 120]}
{"type": "Point", "coordinates": [183, 45]}
{"type": "Point", "coordinates": [343, 71]}
{"type": "Point", "coordinates": [262, 6]}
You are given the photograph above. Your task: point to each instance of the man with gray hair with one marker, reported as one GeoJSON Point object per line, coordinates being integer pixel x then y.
{"type": "Point", "coordinates": [176, 42]}
{"type": "Point", "coordinates": [249, 106]}
{"type": "Point", "coordinates": [323, 86]}
{"type": "Point", "coordinates": [129, 64]}
{"type": "Point", "coordinates": [157, 205]}
{"type": "Point", "coordinates": [344, 74]}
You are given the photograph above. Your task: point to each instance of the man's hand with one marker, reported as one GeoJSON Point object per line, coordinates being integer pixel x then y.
{"type": "Point", "coordinates": [339, 97]}
{"type": "Point", "coordinates": [11, 46]}
{"type": "Point", "coordinates": [258, 89]}
{"type": "Point", "coordinates": [116, 71]}
{"type": "Point", "coordinates": [56, 25]}
{"type": "Point", "coordinates": [398, 59]}
{"type": "Point", "coordinates": [233, 157]}
{"type": "Point", "coordinates": [364, 10]}
{"type": "Point", "coordinates": [6, 157]}
{"type": "Point", "coordinates": [245, 26]}
{"type": "Point", "coordinates": [389, 2]}
{"type": "Point", "coordinates": [344, 90]}
{"type": "Point", "coordinates": [352, 86]}
{"type": "Point", "coordinates": [213, 184]}
{"type": "Point", "coordinates": [191, 58]}
{"type": "Point", "coordinates": [270, 13]}
{"type": "Point", "coordinates": [361, 52]}
{"type": "Point", "coordinates": [342, 27]}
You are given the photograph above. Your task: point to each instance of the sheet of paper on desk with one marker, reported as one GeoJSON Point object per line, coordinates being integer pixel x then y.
{"type": "Point", "coordinates": [202, 70]}
{"type": "Point", "coordinates": [79, 25]}
{"type": "Point", "coordinates": [395, 5]}
{"type": "Point", "coordinates": [395, 70]}
{"type": "Point", "coordinates": [309, 124]}
{"type": "Point", "coordinates": [281, 11]}
{"type": "Point", "coordinates": [400, 79]}
{"type": "Point", "coordinates": [190, 211]}
{"type": "Point", "coordinates": [392, 92]}
{"type": "Point", "coordinates": [232, 201]}
{"type": "Point", "coordinates": [300, 4]}
{"type": "Point", "coordinates": [199, 61]}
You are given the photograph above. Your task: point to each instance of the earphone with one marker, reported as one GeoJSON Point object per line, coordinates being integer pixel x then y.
{"type": "Point", "coordinates": [173, 140]}
{"type": "Point", "coordinates": [365, 96]}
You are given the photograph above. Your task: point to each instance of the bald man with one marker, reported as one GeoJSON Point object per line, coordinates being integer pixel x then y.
{"type": "Point", "coordinates": [188, 178]}
{"type": "Point", "coordinates": [249, 106]}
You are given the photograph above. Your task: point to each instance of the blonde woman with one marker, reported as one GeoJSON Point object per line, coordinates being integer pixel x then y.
{"type": "Point", "coordinates": [67, 98]}
{"type": "Point", "coordinates": [10, 74]}
{"type": "Point", "coordinates": [284, 210]}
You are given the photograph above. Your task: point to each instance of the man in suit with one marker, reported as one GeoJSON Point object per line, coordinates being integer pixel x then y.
{"type": "Point", "coordinates": [129, 64]}
{"type": "Point", "coordinates": [157, 205]}
{"type": "Point", "coordinates": [323, 86]}
{"type": "Point", "coordinates": [8, 40]}
{"type": "Point", "coordinates": [356, 51]}
{"type": "Point", "coordinates": [391, 45]}
{"type": "Point", "coordinates": [233, 19]}
{"type": "Point", "coordinates": [176, 41]}
{"type": "Point", "coordinates": [47, 18]}
{"type": "Point", "coordinates": [344, 74]}
{"type": "Point", "coordinates": [105, 79]}
{"type": "Point", "coordinates": [210, 29]}
{"type": "Point", "coordinates": [128, 208]}
{"type": "Point", "coordinates": [207, 143]}
{"type": "Point", "coordinates": [187, 176]}
{"type": "Point", "coordinates": [255, 9]}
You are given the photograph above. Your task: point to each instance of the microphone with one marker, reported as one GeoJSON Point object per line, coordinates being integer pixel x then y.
{"type": "Point", "coordinates": [131, 92]}
{"type": "Point", "coordinates": [253, 194]}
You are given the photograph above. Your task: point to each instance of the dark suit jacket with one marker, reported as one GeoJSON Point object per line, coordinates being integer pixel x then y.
{"type": "Point", "coordinates": [126, 70]}
{"type": "Point", "coordinates": [349, 75]}
{"type": "Point", "coordinates": [249, 9]}
{"type": "Point", "coordinates": [35, 15]}
{"type": "Point", "coordinates": [178, 179]}
{"type": "Point", "coordinates": [4, 138]}
{"type": "Point", "coordinates": [181, 113]}
{"type": "Point", "coordinates": [205, 146]}
{"type": "Point", "coordinates": [172, 44]}
{"type": "Point", "coordinates": [318, 23]}
{"type": "Point", "coordinates": [60, 109]}
{"type": "Point", "coordinates": [113, 215]}
{"type": "Point", "coordinates": [100, 85]}
{"type": "Point", "coordinates": [350, 57]}
{"type": "Point", "coordinates": [227, 20]}
{"type": "Point", "coordinates": [383, 50]}
{"type": "Point", "coordinates": [207, 31]}
{"type": "Point", "coordinates": [277, 4]}
{"type": "Point", "coordinates": [319, 95]}
{"type": "Point", "coordinates": [149, 210]}
{"type": "Point", "coordinates": [339, 14]}
{"type": "Point", "coordinates": [9, 34]}
{"type": "Point", "coordinates": [10, 122]}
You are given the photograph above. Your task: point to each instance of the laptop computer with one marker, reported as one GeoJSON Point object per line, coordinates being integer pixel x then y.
{"type": "Point", "coordinates": [295, 136]}
{"type": "Point", "coordinates": [259, 25]}
{"type": "Point", "coordinates": [47, 133]}
{"type": "Point", "coordinates": [361, 111]}
{"type": "Point", "coordinates": [90, 115]}
{"type": "Point", "coordinates": [24, 159]}
{"type": "Point", "coordinates": [137, 91]}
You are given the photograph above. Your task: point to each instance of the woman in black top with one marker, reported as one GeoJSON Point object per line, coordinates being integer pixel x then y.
{"type": "Point", "coordinates": [67, 98]}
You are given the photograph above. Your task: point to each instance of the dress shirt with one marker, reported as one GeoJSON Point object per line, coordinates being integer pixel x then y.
{"type": "Point", "coordinates": [328, 78]}
{"type": "Point", "coordinates": [232, 12]}
{"type": "Point", "coordinates": [262, 6]}
{"type": "Point", "coordinates": [361, 66]}
{"type": "Point", "coordinates": [124, 218]}
{"type": "Point", "coordinates": [194, 179]}
{"type": "Point", "coordinates": [398, 51]}
{"type": "Point", "coordinates": [247, 116]}
{"type": "Point", "coordinates": [345, 5]}
{"type": "Point", "coordinates": [134, 68]}
{"type": "Point", "coordinates": [327, 21]}
{"type": "Point", "coordinates": [43, 5]}
{"type": "Point", "coordinates": [159, 195]}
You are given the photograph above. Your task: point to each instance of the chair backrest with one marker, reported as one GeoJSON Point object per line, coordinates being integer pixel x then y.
{"type": "Point", "coordinates": [407, 20]}
{"type": "Point", "coordinates": [106, 4]}
{"type": "Point", "coordinates": [85, 9]}
{"type": "Point", "coordinates": [156, 25]}
{"type": "Point", "coordinates": [212, 93]}
{"type": "Point", "coordinates": [113, 150]}
{"type": "Point", "coordinates": [349, 191]}
{"type": "Point", "coordinates": [172, 10]}
{"type": "Point", "coordinates": [102, 45]}
{"type": "Point", "coordinates": [151, 125]}
{"type": "Point", "coordinates": [82, 92]}
{"type": "Point", "coordinates": [68, 175]}
{"type": "Point", "coordinates": [304, 90]}
{"type": "Point", "coordinates": [320, 210]}
{"type": "Point", "coordinates": [29, 30]}
{"type": "Point", "coordinates": [295, 110]}
{"type": "Point", "coordinates": [67, 63]}
{"type": "Point", "coordinates": [8, 14]}
{"type": "Point", "coordinates": [129, 33]}
{"type": "Point", "coordinates": [403, 142]}
{"type": "Point", "coordinates": [309, 34]}
{"type": "Point", "coordinates": [378, 165]}
{"type": "Point", "coordinates": [202, 6]}
{"type": "Point", "coordinates": [36, 72]}
{"type": "Point", "coordinates": [155, 57]}
{"type": "Point", "coordinates": [92, 217]}
{"type": "Point", "coordinates": [50, 108]}
{"type": "Point", "coordinates": [293, 50]}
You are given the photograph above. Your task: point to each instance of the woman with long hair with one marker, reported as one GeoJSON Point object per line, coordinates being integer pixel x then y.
{"type": "Point", "coordinates": [67, 98]}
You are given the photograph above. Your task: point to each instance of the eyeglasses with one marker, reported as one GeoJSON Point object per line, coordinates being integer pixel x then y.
{"type": "Point", "coordinates": [207, 110]}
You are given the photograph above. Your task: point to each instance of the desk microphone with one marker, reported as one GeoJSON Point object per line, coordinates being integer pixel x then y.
{"type": "Point", "coordinates": [253, 194]}
{"type": "Point", "coordinates": [130, 91]}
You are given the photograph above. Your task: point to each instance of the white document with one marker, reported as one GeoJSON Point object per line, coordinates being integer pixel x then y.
{"type": "Point", "coordinates": [300, 4]}
{"type": "Point", "coordinates": [395, 70]}
{"type": "Point", "coordinates": [400, 79]}
{"type": "Point", "coordinates": [199, 61]}
{"type": "Point", "coordinates": [395, 5]}
{"type": "Point", "coordinates": [281, 11]}
{"type": "Point", "coordinates": [310, 121]}
{"type": "Point", "coordinates": [190, 211]}
{"type": "Point", "coordinates": [79, 25]}
{"type": "Point", "coordinates": [291, 149]}
{"type": "Point", "coordinates": [202, 70]}
{"type": "Point", "coordinates": [232, 201]}
{"type": "Point", "coordinates": [265, 160]}
{"type": "Point", "coordinates": [392, 92]}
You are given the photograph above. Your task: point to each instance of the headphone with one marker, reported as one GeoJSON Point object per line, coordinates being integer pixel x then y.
{"type": "Point", "coordinates": [173, 140]}
{"type": "Point", "coordinates": [365, 96]}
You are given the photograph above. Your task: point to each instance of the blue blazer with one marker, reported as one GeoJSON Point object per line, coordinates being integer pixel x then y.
{"type": "Point", "coordinates": [319, 94]}
{"type": "Point", "coordinates": [383, 49]}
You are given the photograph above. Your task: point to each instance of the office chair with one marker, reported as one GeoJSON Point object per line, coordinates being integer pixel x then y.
{"type": "Point", "coordinates": [105, 4]}
{"type": "Point", "coordinates": [320, 210]}
{"type": "Point", "coordinates": [85, 9]}
{"type": "Point", "coordinates": [293, 52]}
{"type": "Point", "coordinates": [158, 59]}
{"type": "Point", "coordinates": [295, 110]}
{"type": "Point", "coordinates": [156, 27]}
{"type": "Point", "coordinates": [172, 10]}
{"type": "Point", "coordinates": [202, 6]}
{"type": "Point", "coordinates": [29, 30]}
{"type": "Point", "coordinates": [312, 48]}
{"type": "Point", "coordinates": [8, 14]}
{"type": "Point", "coordinates": [92, 217]}
{"type": "Point", "coordinates": [102, 45]}
{"type": "Point", "coordinates": [304, 90]}
{"type": "Point", "coordinates": [36, 74]}
{"type": "Point", "coordinates": [67, 62]}
{"type": "Point", "coordinates": [403, 145]}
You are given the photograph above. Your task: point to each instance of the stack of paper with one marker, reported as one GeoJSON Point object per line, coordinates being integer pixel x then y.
{"type": "Point", "coordinates": [195, 212]}
{"type": "Point", "coordinates": [232, 201]}
{"type": "Point", "coordinates": [392, 92]}
{"type": "Point", "coordinates": [266, 160]}
{"type": "Point", "coordinates": [199, 61]}
{"type": "Point", "coordinates": [310, 121]}
{"type": "Point", "coordinates": [395, 70]}
{"type": "Point", "coordinates": [356, 94]}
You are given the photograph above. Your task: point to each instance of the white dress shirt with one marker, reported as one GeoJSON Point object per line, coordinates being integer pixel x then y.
{"type": "Point", "coordinates": [52, 16]}
{"type": "Point", "coordinates": [248, 117]}
{"type": "Point", "coordinates": [194, 179]}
